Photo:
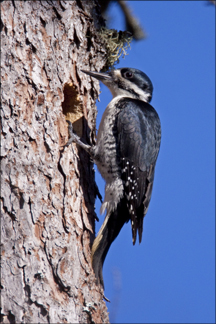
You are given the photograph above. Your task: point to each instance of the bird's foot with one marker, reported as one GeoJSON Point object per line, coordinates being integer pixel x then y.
{"type": "Point", "coordinates": [97, 193]}
{"type": "Point", "coordinates": [73, 138]}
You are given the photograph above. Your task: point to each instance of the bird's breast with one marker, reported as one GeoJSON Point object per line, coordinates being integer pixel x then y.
{"type": "Point", "coordinates": [106, 147]}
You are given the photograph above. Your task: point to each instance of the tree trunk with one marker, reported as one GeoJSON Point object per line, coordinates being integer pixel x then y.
{"type": "Point", "coordinates": [47, 191]}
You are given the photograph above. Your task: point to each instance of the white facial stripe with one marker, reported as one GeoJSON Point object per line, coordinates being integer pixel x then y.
{"type": "Point", "coordinates": [145, 96]}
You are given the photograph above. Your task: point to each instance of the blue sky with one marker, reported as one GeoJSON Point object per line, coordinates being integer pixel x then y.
{"type": "Point", "coordinates": [169, 277]}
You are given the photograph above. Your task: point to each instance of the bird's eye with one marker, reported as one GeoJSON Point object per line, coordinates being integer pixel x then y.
{"type": "Point", "coordinates": [128, 75]}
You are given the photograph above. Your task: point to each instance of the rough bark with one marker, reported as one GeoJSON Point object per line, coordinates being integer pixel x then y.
{"type": "Point", "coordinates": [48, 192]}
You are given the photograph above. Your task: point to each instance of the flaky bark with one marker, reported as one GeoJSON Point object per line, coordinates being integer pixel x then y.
{"type": "Point", "coordinates": [47, 192]}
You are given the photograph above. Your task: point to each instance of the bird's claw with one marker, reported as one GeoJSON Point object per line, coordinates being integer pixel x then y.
{"type": "Point", "coordinates": [97, 193]}
{"type": "Point", "coordinates": [72, 135]}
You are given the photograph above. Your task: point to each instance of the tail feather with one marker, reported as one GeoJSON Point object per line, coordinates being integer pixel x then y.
{"type": "Point", "coordinates": [140, 229]}
{"type": "Point", "coordinates": [108, 232]}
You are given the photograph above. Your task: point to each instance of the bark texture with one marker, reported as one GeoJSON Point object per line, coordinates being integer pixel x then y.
{"type": "Point", "coordinates": [47, 192]}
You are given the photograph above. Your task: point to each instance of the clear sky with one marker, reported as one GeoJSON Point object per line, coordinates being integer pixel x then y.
{"type": "Point", "coordinates": [170, 276]}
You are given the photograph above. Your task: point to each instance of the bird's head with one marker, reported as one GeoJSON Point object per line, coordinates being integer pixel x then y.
{"type": "Point", "coordinates": [126, 82]}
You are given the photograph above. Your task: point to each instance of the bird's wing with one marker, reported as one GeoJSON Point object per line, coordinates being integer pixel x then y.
{"type": "Point", "coordinates": [138, 129]}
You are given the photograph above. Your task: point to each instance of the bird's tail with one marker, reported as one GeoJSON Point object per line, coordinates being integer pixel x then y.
{"type": "Point", "coordinates": [108, 232]}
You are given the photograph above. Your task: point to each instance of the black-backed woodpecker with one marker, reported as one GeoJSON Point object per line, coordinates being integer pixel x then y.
{"type": "Point", "coordinates": [128, 142]}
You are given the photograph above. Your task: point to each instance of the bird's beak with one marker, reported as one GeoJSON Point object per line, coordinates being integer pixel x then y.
{"type": "Point", "coordinates": [103, 77]}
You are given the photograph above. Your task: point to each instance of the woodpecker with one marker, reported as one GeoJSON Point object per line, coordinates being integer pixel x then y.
{"type": "Point", "coordinates": [126, 150]}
